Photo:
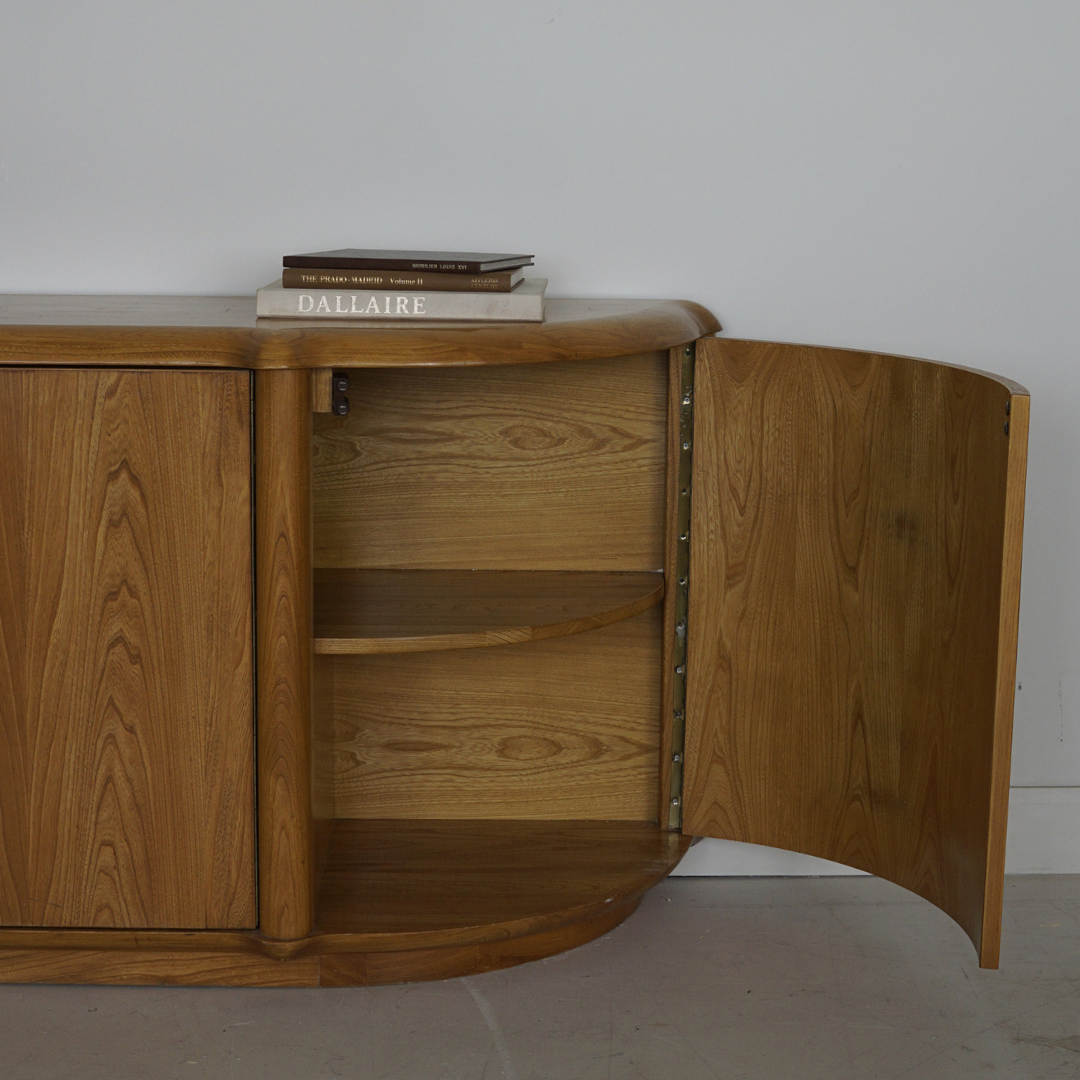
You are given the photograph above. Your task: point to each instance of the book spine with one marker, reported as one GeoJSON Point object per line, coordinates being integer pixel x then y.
{"type": "Point", "coordinates": [399, 306]}
{"type": "Point", "coordinates": [322, 262]}
{"type": "Point", "coordinates": [298, 278]}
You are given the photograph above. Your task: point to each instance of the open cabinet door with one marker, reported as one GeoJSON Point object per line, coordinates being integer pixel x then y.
{"type": "Point", "coordinates": [855, 534]}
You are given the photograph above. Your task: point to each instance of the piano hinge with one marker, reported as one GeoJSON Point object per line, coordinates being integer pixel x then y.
{"type": "Point", "coordinates": [682, 579]}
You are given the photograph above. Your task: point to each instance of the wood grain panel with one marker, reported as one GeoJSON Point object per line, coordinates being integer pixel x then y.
{"type": "Point", "coordinates": [222, 331]}
{"type": "Point", "coordinates": [552, 729]}
{"type": "Point", "coordinates": [126, 773]}
{"type": "Point", "coordinates": [529, 468]}
{"type": "Point", "coordinates": [284, 605]}
{"type": "Point", "coordinates": [394, 611]}
{"type": "Point", "coordinates": [850, 636]}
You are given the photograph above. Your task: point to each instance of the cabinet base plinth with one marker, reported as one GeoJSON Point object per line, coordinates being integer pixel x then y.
{"type": "Point", "coordinates": [452, 962]}
{"type": "Point", "coordinates": [188, 967]}
{"type": "Point", "coordinates": [401, 901]}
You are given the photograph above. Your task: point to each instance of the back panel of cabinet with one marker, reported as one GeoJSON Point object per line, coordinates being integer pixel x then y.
{"type": "Point", "coordinates": [566, 728]}
{"type": "Point", "coordinates": [126, 771]}
{"type": "Point", "coordinates": [531, 467]}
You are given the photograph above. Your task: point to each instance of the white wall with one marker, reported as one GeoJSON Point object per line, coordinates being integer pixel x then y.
{"type": "Point", "coordinates": [902, 177]}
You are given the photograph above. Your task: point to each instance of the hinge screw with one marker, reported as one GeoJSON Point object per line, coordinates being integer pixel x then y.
{"type": "Point", "coordinates": [688, 350]}
{"type": "Point", "coordinates": [686, 446]}
{"type": "Point", "coordinates": [675, 801]}
{"type": "Point", "coordinates": [680, 669]}
{"type": "Point", "coordinates": [686, 399]}
{"type": "Point", "coordinates": [676, 757]}
{"type": "Point", "coordinates": [1006, 427]}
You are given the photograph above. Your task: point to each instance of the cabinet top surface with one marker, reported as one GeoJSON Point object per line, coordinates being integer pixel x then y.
{"type": "Point", "coordinates": [222, 331]}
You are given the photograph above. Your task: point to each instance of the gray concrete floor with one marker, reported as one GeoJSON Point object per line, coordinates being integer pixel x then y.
{"type": "Point", "coordinates": [793, 978]}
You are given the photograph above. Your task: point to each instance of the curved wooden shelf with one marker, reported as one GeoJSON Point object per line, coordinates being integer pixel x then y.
{"type": "Point", "coordinates": [222, 331]}
{"type": "Point", "coordinates": [398, 611]}
{"type": "Point", "coordinates": [399, 886]}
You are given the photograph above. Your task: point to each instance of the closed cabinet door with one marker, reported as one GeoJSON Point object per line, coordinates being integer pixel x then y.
{"type": "Point", "coordinates": [855, 538]}
{"type": "Point", "coordinates": [126, 726]}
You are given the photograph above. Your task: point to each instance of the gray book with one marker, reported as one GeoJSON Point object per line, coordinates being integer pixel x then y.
{"type": "Point", "coordinates": [524, 304]}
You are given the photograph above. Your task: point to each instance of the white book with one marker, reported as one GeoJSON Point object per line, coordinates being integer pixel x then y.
{"type": "Point", "coordinates": [524, 304]}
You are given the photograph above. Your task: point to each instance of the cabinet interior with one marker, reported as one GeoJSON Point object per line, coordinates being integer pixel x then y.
{"type": "Point", "coordinates": [519, 511]}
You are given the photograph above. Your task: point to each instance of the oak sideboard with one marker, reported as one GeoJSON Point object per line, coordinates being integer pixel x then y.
{"type": "Point", "coordinates": [337, 654]}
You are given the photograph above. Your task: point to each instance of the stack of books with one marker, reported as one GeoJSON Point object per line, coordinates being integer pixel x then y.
{"type": "Point", "coordinates": [358, 283]}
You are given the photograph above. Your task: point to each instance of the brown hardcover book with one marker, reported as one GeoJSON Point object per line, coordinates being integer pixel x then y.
{"type": "Point", "coordinates": [447, 262]}
{"type": "Point", "coordinates": [302, 278]}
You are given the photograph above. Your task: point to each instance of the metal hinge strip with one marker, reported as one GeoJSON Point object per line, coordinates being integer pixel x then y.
{"type": "Point", "coordinates": [682, 580]}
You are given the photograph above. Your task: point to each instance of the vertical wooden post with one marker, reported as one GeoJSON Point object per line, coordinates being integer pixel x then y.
{"type": "Point", "coordinates": [283, 633]}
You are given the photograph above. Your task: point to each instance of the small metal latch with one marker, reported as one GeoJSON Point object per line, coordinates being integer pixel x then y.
{"type": "Point", "coordinates": [339, 384]}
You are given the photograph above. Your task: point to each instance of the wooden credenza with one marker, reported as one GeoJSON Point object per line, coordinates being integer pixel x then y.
{"type": "Point", "coordinates": [445, 684]}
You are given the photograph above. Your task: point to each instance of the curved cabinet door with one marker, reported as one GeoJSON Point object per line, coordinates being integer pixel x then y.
{"type": "Point", "coordinates": [854, 582]}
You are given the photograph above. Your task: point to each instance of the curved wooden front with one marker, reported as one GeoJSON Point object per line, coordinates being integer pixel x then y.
{"type": "Point", "coordinates": [854, 588]}
{"type": "Point", "coordinates": [453, 962]}
{"type": "Point", "coordinates": [179, 964]}
{"type": "Point", "coordinates": [222, 331]}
